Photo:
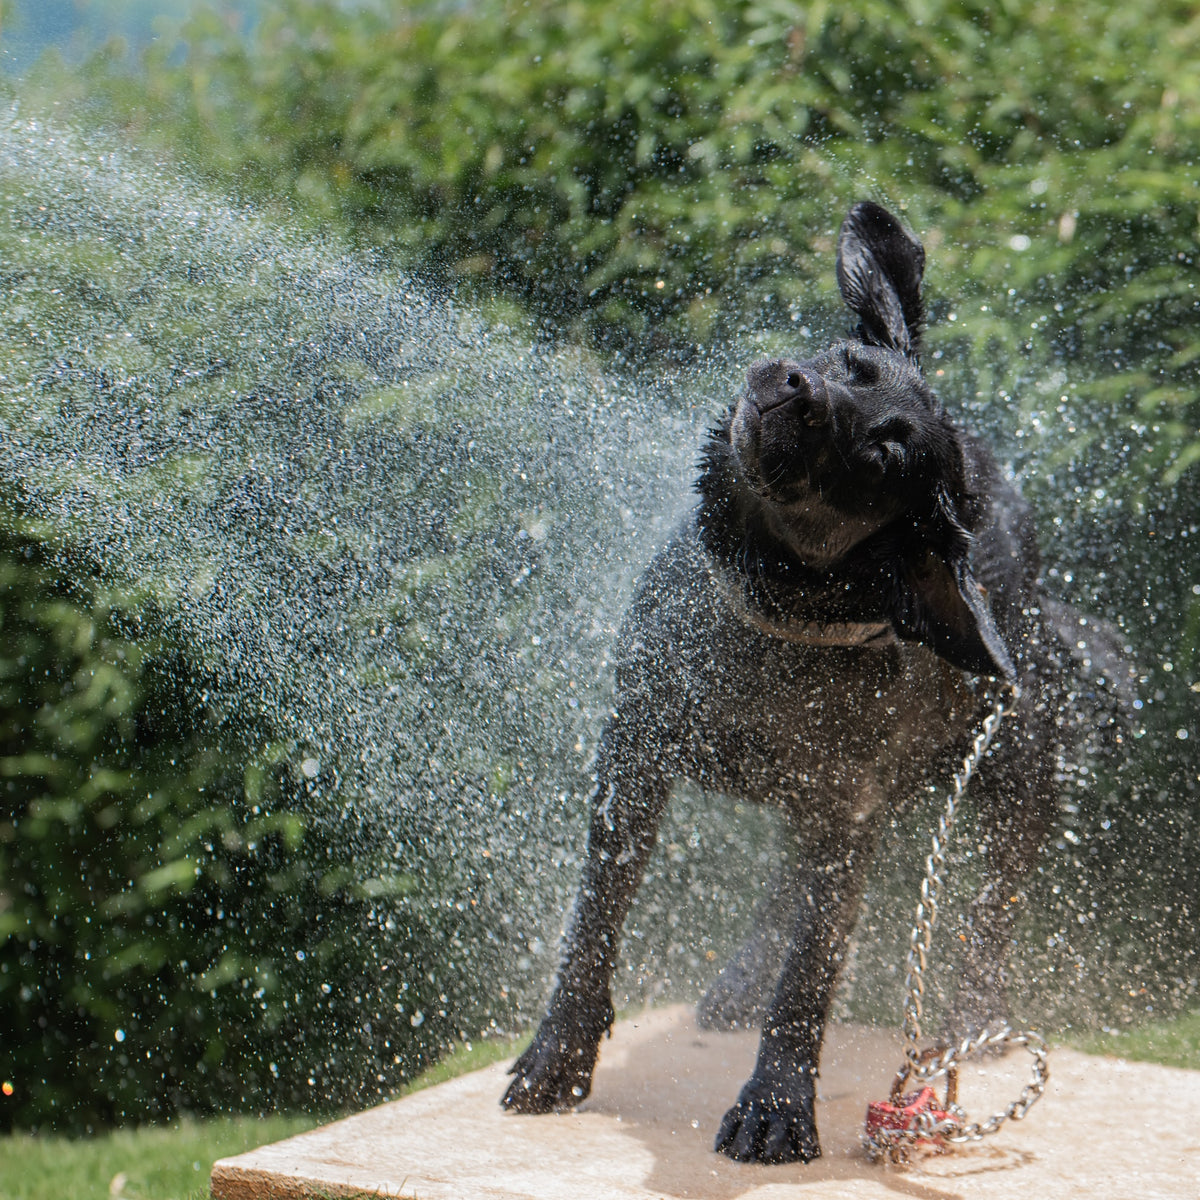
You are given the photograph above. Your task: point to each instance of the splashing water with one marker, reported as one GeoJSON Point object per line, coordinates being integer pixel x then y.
{"type": "Point", "coordinates": [403, 534]}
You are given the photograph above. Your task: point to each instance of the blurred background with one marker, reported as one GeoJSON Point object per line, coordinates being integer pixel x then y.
{"type": "Point", "coordinates": [354, 357]}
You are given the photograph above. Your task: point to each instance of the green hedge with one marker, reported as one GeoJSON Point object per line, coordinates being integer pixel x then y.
{"type": "Point", "coordinates": [174, 934]}
{"type": "Point", "coordinates": [362, 521]}
{"type": "Point", "coordinates": [666, 174]}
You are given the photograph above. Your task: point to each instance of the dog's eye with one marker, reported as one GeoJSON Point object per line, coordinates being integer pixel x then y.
{"type": "Point", "coordinates": [861, 370]}
{"type": "Point", "coordinates": [895, 429]}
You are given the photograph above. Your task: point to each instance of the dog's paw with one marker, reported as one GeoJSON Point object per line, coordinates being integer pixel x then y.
{"type": "Point", "coordinates": [548, 1081]}
{"type": "Point", "coordinates": [555, 1072]}
{"type": "Point", "coordinates": [771, 1123]}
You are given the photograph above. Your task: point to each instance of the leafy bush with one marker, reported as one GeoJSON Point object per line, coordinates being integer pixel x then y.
{"type": "Point", "coordinates": [663, 176]}
{"type": "Point", "coordinates": [377, 532]}
{"type": "Point", "coordinates": [677, 171]}
{"type": "Point", "coordinates": [169, 922]}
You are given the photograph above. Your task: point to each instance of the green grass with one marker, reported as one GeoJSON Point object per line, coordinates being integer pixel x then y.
{"type": "Point", "coordinates": [170, 1162]}
{"type": "Point", "coordinates": [1174, 1043]}
{"type": "Point", "coordinates": [461, 1059]}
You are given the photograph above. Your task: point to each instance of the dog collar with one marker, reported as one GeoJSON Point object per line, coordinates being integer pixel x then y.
{"type": "Point", "coordinates": [804, 633]}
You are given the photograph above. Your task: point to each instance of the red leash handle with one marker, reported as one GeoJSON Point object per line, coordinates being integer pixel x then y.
{"type": "Point", "coordinates": [913, 1120]}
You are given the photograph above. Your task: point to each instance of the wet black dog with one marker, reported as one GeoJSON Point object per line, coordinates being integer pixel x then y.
{"type": "Point", "coordinates": [811, 638]}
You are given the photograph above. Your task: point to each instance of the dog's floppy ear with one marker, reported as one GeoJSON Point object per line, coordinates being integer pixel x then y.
{"type": "Point", "coordinates": [879, 269]}
{"type": "Point", "coordinates": [938, 601]}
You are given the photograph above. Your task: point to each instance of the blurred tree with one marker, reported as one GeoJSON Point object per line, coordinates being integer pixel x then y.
{"type": "Point", "coordinates": [660, 175]}
{"type": "Point", "coordinates": [168, 920]}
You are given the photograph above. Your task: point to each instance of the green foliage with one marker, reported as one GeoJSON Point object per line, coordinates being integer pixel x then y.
{"type": "Point", "coordinates": [676, 170]}
{"type": "Point", "coordinates": [299, 462]}
{"type": "Point", "coordinates": [169, 923]}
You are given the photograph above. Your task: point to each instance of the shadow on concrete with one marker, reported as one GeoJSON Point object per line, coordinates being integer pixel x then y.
{"type": "Point", "coordinates": [671, 1090]}
{"type": "Point", "coordinates": [1106, 1130]}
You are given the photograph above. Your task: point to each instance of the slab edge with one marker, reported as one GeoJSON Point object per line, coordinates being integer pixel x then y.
{"type": "Point", "coordinates": [231, 1182]}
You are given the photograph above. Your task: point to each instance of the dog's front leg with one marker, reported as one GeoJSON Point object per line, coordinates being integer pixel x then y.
{"type": "Point", "coordinates": [556, 1070]}
{"type": "Point", "coordinates": [774, 1119]}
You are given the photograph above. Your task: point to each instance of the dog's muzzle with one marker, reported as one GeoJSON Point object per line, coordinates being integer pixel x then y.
{"type": "Point", "coordinates": [773, 384]}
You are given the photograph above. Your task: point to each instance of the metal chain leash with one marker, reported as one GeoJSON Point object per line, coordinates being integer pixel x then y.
{"type": "Point", "coordinates": [952, 1125]}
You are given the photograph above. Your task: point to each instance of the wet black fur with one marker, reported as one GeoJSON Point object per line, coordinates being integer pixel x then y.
{"type": "Point", "coordinates": [839, 503]}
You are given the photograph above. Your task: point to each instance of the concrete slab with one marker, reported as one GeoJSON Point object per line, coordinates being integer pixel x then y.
{"type": "Point", "coordinates": [1105, 1128]}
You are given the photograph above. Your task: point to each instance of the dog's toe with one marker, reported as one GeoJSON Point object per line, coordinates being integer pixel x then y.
{"type": "Point", "coordinates": [525, 1095]}
{"type": "Point", "coordinates": [766, 1128]}
{"type": "Point", "coordinates": [545, 1084]}
{"type": "Point", "coordinates": [554, 1073]}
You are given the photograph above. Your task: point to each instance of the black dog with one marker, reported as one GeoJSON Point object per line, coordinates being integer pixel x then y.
{"type": "Point", "coordinates": [809, 639]}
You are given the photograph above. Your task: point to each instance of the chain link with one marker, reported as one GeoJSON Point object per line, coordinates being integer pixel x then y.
{"type": "Point", "coordinates": [895, 1144]}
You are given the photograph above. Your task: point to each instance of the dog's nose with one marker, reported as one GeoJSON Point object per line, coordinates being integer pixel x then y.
{"type": "Point", "coordinates": [776, 383]}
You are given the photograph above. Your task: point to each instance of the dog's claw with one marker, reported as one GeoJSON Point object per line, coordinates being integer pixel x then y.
{"type": "Point", "coordinates": [768, 1126]}
{"type": "Point", "coordinates": [555, 1072]}
{"type": "Point", "coordinates": [548, 1079]}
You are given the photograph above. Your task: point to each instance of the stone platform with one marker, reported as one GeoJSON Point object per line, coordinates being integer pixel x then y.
{"type": "Point", "coordinates": [1106, 1128]}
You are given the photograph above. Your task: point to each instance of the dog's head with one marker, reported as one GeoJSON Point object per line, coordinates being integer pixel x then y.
{"type": "Point", "coordinates": [851, 451]}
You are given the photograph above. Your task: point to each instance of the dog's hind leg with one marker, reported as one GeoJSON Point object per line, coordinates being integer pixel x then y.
{"type": "Point", "coordinates": [555, 1072]}
{"type": "Point", "coordinates": [774, 1119]}
{"type": "Point", "coordinates": [739, 995]}
{"type": "Point", "coordinates": [1015, 797]}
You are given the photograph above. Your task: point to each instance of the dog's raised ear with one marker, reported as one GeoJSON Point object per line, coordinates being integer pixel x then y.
{"type": "Point", "coordinates": [880, 265]}
{"type": "Point", "coordinates": [938, 601]}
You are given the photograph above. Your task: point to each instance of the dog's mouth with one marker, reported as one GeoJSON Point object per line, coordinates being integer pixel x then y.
{"type": "Point", "coordinates": [838, 433]}
{"type": "Point", "coordinates": [768, 405]}
{"type": "Point", "coordinates": [793, 431]}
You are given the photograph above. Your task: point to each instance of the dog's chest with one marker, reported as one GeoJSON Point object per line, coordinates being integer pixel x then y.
{"type": "Point", "coordinates": [774, 719]}
{"type": "Point", "coordinates": [792, 722]}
